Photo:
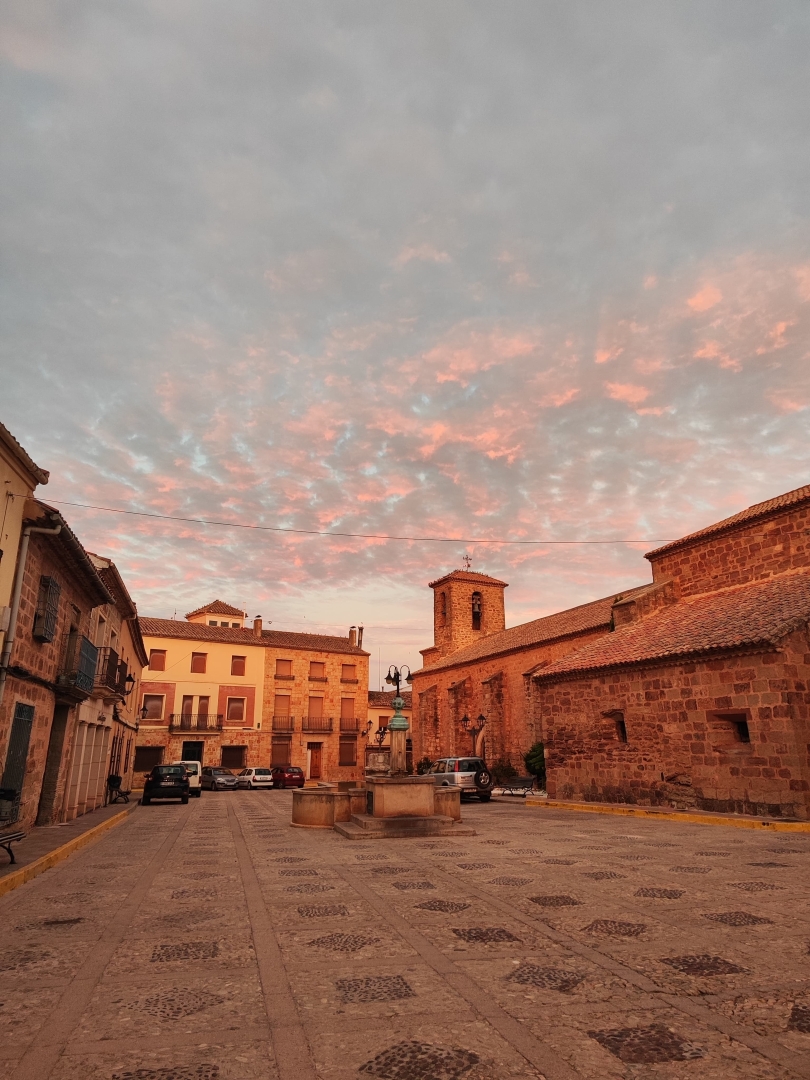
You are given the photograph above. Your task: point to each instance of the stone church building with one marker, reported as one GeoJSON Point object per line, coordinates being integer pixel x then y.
{"type": "Point", "coordinates": [689, 691]}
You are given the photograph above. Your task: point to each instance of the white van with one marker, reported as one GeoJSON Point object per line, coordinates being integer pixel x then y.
{"type": "Point", "coordinates": [194, 770]}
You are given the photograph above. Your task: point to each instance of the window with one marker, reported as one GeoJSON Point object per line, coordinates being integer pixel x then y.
{"type": "Point", "coordinates": [348, 673]}
{"type": "Point", "coordinates": [621, 730]}
{"type": "Point", "coordinates": [147, 757]}
{"type": "Point", "coordinates": [236, 708]}
{"type": "Point", "coordinates": [198, 662]}
{"type": "Point", "coordinates": [284, 669]}
{"type": "Point", "coordinates": [47, 609]}
{"type": "Point", "coordinates": [235, 625]}
{"type": "Point", "coordinates": [238, 665]}
{"type": "Point", "coordinates": [347, 708]}
{"type": "Point", "coordinates": [213, 622]}
{"type": "Point", "coordinates": [730, 729]}
{"type": "Point", "coordinates": [280, 751]}
{"type": "Point", "coordinates": [315, 707]}
{"type": "Point", "coordinates": [348, 750]}
{"type": "Point", "coordinates": [101, 631]}
{"type": "Point", "coordinates": [202, 708]}
{"type": "Point", "coordinates": [153, 703]}
{"type": "Point", "coordinates": [233, 757]}
{"type": "Point", "coordinates": [476, 611]}
{"type": "Point", "coordinates": [157, 659]}
{"type": "Point", "coordinates": [317, 670]}
{"type": "Point", "coordinates": [187, 707]}
{"type": "Point", "coordinates": [281, 705]}
{"type": "Point", "coordinates": [442, 609]}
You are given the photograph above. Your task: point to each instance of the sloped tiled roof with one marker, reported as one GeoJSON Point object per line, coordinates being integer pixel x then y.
{"type": "Point", "coordinates": [281, 639]}
{"type": "Point", "coordinates": [383, 699]}
{"type": "Point", "coordinates": [217, 607]}
{"type": "Point", "coordinates": [757, 614]}
{"type": "Point", "coordinates": [550, 628]}
{"type": "Point", "coordinates": [11, 444]}
{"type": "Point", "coordinates": [468, 575]}
{"type": "Point", "coordinates": [758, 510]}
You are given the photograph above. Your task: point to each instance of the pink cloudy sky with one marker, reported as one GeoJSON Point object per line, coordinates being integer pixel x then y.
{"type": "Point", "coordinates": [527, 270]}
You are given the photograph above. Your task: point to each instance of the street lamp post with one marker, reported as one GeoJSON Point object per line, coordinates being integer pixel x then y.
{"type": "Point", "coordinates": [474, 729]}
{"type": "Point", "coordinates": [398, 724]}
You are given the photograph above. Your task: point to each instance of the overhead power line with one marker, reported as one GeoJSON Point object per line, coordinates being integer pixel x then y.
{"type": "Point", "coordinates": [353, 535]}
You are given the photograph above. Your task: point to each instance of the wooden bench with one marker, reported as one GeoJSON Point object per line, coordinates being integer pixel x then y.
{"type": "Point", "coordinates": [517, 785]}
{"type": "Point", "coordinates": [9, 838]}
{"type": "Point", "coordinates": [119, 795]}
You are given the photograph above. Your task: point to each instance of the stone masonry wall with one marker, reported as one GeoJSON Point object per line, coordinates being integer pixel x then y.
{"type": "Point", "coordinates": [751, 553]}
{"type": "Point", "coordinates": [682, 749]}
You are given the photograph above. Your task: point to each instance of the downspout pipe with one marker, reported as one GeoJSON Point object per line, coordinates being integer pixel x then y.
{"type": "Point", "coordinates": [11, 633]}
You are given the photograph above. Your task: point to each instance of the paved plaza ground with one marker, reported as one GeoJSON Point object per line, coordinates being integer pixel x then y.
{"type": "Point", "coordinates": [215, 941]}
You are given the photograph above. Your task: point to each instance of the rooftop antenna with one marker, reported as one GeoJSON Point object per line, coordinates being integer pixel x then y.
{"type": "Point", "coordinates": [467, 560]}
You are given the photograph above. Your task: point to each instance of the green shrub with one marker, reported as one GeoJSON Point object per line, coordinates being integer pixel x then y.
{"type": "Point", "coordinates": [535, 761]}
{"type": "Point", "coordinates": [424, 766]}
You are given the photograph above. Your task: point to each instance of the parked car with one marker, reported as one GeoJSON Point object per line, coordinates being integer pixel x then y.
{"type": "Point", "coordinates": [194, 770]}
{"type": "Point", "coordinates": [285, 776]}
{"type": "Point", "coordinates": [252, 779]}
{"type": "Point", "coordinates": [470, 774]}
{"type": "Point", "coordinates": [215, 778]}
{"type": "Point", "coordinates": [165, 782]}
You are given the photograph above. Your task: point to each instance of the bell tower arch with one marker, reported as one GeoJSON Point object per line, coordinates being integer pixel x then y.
{"type": "Point", "coordinates": [467, 606]}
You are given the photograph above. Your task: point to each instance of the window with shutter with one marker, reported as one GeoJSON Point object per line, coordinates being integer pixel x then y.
{"type": "Point", "coordinates": [47, 609]}
{"type": "Point", "coordinates": [348, 750]}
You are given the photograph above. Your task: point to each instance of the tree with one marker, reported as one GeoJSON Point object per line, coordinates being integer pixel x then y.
{"type": "Point", "coordinates": [535, 761]}
{"type": "Point", "coordinates": [423, 766]}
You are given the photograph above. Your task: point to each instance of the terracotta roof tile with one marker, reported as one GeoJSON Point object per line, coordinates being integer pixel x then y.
{"type": "Point", "coordinates": [280, 639]}
{"type": "Point", "coordinates": [745, 517]}
{"type": "Point", "coordinates": [760, 613]}
{"type": "Point", "coordinates": [383, 699]}
{"type": "Point", "coordinates": [217, 607]}
{"type": "Point", "coordinates": [551, 627]}
{"type": "Point", "coordinates": [25, 459]}
{"type": "Point", "coordinates": [468, 575]}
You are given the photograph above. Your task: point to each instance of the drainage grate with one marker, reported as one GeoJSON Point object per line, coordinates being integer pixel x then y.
{"type": "Point", "coordinates": [189, 917]}
{"type": "Point", "coordinates": [560, 862]}
{"type": "Point", "coordinates": [605, 875]}
{"type": "Point", "coordinates": [647, 1045]}
{"type": "Point", "coordinates": [67, 921]}
{"type": "Point", "coordinates": [449, 907]}
{"type": "Point", "coordinates": [403, 885]}
{"type": "Point", "coordinates": [636, 858]}
{"type": "Point", "coordinates": [614, 928]}
{"type": "Point", "coordinates": [769, 865]}
{"type": "Point", "coordinates": [510, 881]}
{"type": "Point", "coordinates": [737, 918]}
{"type": "Point", "coordinates": [23, 957]}
{"type": "Point", "coordinates": [529, 974]}
{"type": "Point", "coordinates": [371, 858]}
{"type": "Point", "coordinates": [390, 869]}
{"type": "Point", "coordinates": [714, 854]}
{"type": "Point", "coordinates": [800, 1019]}
{"type": "Point", "coordinates": [298, 873]}
{"type": "Point", "coordinates": [483, 935]}
{"type": "Point", "coordinates": [186, 950]}
{"type": "Point", "coordinates": [180, 1072]}
{"type": "Point", "coordinates": [756, 886]}
{"type": "Point", "coordinates": [789, 850]}
{"type": "Point", "coordinates": [450, 854]}
{"type": "Point", "coordinates": [556, 901]}
{"type": "Point", "coordinates": [308, 888]}
{"type": "Point", "coordinates": [420, 1061]}
{"type": "Point", "coordinates": [476, 866]}
{"type": "Point", "coordinates": [691, 869]}
{"type": "Point", "coordinates": [374, 988]}
{"type": "Point", "coordinates": [289, 859]}
{"type": "Point", "coordinates": [499, 843]}
{"type": "Point", "coordinates": [194, 894]}
{"type": "Point", "coordinates": [702, 965]}
{"type": "Point", "coordinates": [661, 894]}
{"type": "Point", "coordinates": [344, 942]}
{"type": "Point", "coordinates": [177, 1003]}
{"type": "Point", "coordinates": [321, 911]}
{"type": "Point", "coordinates": [525, 851]}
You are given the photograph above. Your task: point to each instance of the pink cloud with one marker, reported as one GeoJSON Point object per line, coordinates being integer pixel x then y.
{"type": "Point", "coordinates": [650, 281]}
{"type": "Point", "coordinates": [787, 402]}
{"type": "Point", "coordinates": [603, 355]}
{"type": "Point", "coordinates": [706, 298]}
{"type": "Point", "coordinates": [713, 351]}
{"type": "Point", "coordinates": [561, 398]}
{"type": "Point", "coordinates": [627, 392]}
{"type": "Point", "coordinates": [422, 252]}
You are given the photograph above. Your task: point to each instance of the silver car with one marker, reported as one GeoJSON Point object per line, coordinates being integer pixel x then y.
{"type": "Point", "coordinates": [217, 779]}
{"type": "Point", "coordinates": [469, 773]}
{"type": "Point", "coordinates": [254, 778]}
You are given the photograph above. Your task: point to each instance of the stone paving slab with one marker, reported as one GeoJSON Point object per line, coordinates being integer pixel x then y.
{"type": "Point", "coordinates": [214, 941]}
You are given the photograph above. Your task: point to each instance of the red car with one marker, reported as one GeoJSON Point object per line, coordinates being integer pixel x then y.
{"type": "Point", "coordinates": [285, 776]}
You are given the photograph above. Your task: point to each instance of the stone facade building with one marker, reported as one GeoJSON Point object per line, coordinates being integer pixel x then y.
{"type": "Point", "coordinates": [225, 694]}
{"type": "Point", "coordinates": [689, 691]}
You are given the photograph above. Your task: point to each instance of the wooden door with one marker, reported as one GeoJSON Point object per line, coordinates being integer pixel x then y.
{"type": "Point", "coordinates": [314, 753]}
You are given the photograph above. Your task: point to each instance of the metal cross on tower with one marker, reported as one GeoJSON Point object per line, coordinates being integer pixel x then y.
{"type": "Point", "coordinates": [467, 560]}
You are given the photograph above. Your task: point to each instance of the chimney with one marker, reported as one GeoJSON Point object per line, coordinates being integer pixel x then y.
{"type": "Point", "coordinates": [257, 626]}
{"type": "Point", "coordinates": [352, 635]}
{"type": "Point", "coordinates": [359, 637]}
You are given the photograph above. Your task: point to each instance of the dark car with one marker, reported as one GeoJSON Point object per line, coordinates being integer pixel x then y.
{"type": "Point", "coordinates": [287, 776]}
{"type": "Point", "coordinates": [215, 778]}
{"type": "Point", "coordinates": [166, 782]}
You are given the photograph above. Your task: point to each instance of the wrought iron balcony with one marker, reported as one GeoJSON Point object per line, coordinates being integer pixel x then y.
{"type": "Point", "coordinates": [195, 722]}
{"type": "Point", "coordinates": [77, 670]}
{"type": "Point", "coordinates": [349, 723]}
{"type": "Point", "coordinates": [316, 723]}
{"type": "Point", "coordinates": [111, 672]}
{"type": "Point", "coordinates": [283, 723]}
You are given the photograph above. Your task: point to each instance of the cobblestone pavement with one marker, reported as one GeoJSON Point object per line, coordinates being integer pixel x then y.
{"type": "Point", "coordinates": [215, 941]}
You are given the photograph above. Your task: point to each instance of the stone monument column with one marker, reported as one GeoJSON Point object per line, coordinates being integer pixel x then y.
{"type": "Point", "coordinates": [398, 732]}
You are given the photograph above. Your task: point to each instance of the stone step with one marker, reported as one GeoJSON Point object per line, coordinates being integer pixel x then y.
{"type": "Point", "coordinates": [365, 827]}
